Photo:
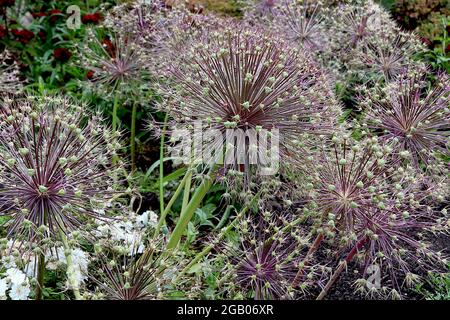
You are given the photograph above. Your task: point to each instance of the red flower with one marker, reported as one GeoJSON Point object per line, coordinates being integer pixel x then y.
{"type": "Point", "coordinates": [7, 3]}
{"type": "Point", "coordinates": [109, 47]}
{"type": "Point", "coordinates": [3, 32]}
{"type": "Point", "coordinates": [23, 36]}
{"type": "Point", "coordinates": [42, 35]}
{"type": "Point", "coordinates": [90, 74]}
{"type": "Point", "coordinates": [62, 54]}
{"type": "Point", "coordinates": [447, 50]}
{"type": "Point", "coordinates": [91, 18]}
{"type": "Point", "coordinates": [38, 14]}
{"type": "Point", "coordinates": [426, 41]}
{"type": "Point", "coordinates": [54, 15]}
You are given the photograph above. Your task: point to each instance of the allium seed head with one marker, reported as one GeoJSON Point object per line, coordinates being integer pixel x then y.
{"type": "Point", "coordinates": [250, 81]}
{"type": "Point", "coordinates": [302, 25]}
{"type": "Point", "coordinates": [54, 166]}
{"type": "Point", "coordinates": [413, 118]}
{"type": "Point", "coordinates": [116, 62]}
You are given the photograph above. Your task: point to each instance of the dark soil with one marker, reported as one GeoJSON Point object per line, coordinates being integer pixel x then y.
{"type": "Point", "coordinates": [343, 289]}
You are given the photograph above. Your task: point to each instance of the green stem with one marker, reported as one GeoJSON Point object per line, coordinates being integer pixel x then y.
{"type": "Point", "coordinates": [133, 137]}
{"type": "Point", "coordinates": [186, 215]}
{"type": "Point", "coordinates": [114, 113]}
{"type": "Point", "coordinates": [161, 166]}
{"type": "Point", "coordinates": [73, 282]}
{"type": "Point", "coordinates": [40, 275]}
{"type": "Point", "coordinates": [187, 191]}
{"type": "Point", "coordinates": [208, 248]}
{"type": "Point", "coordinates": [221, 235]}
{"type": "Point", "coordinates": [114, 123]}
{"type": "Point", "coordinates": [162, 218]}
{"type": "Point", "coordinates": [41, 267]}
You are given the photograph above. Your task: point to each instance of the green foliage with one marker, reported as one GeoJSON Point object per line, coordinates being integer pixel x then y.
{"type": "Point", "coordinates": [439, 56]}
{"type": "Point", "coordinates": [437, 287]}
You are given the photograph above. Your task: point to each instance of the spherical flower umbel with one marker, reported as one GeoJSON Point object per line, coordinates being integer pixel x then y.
{"type": "Point", "coordinates": [395, 242]}
{"type": "Point", "coordinates": [413, 118]}
{"type": "Point", "coordinates": [250, 81]}
{"type": "Point", "coordinates": [117, 62]}
{"type": "Point", "coordinates": [145, 276]}
{"type": "Point", "coordinates": [302, 25]}
{"type": "Point", "coordinates": [351, 180]}
{"type": "Point", "coordinates": [264, 263]}
{"type": "Point", "coordinates": [55, 167]}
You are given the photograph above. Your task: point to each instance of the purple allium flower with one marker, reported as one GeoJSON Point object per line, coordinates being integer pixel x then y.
{"type": "Point", "coordinates": [386, 58]}
{"type": "Point", "coordinates": [264, 264]}
{"type": "Point", "coordinates": [139, 18]}
{"type": "Point", "coordinates": [302, 25]}
{"type": "Point", "coordinates": [135, 277]}
{"type": "Point", "coordinates": [118, 62]}
{"type": "Point", "coordinates": [352, 179]}
{"type": "Point", "coordinates": [250, 81]}
{"type": "Point", "coordinates": [261, 10]}
{"type": "Point", "coordinates": [9, 74]}
{"type": "Point", "coordinates": [54, 167]}
{"type": "Point", "coordinates": [414, 119]}
{"type": "Point", "coordinates": [394, 242]}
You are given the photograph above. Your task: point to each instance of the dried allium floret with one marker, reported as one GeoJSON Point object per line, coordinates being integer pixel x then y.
{"type": "Point", "coordinates": [9, 74]}
{"type": "Point", "coordinates": [54, 165]}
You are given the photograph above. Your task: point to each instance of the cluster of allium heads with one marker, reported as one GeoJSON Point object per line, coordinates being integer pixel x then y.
{"type": "Point", "coordinates": [9, 74]}
{"type": "Point", "coordinates": [55, 166]}
{"type": "Point", "coordinates": [264, 263]}
{"type": "Point", "coordinates": [143, 20]}
{"type": "Point", "coordinates": [366, 42]}
{"type": "Point", "coordinates": [412, 118]}
{"type": "Point", "coordinates": [116, 61]}
{"type": "Point", "coordinates": [249, 81]}
{"type": "Point", "coordinates": [302, 25]}
{"type": "Point", "coordinates": [145, 276]}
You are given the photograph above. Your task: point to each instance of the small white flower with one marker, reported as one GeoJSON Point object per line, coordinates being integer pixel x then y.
{"type": "Point", "coordinates": [3, 288]}
{"type": "Point", "coordinates": [19, 291]}
{"type": "Point", "coordinates": [142, 220]}
{"type": "Point", "coordinates": [153, 219]}
{"type": "Point", "coordinates": [15, 276]}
